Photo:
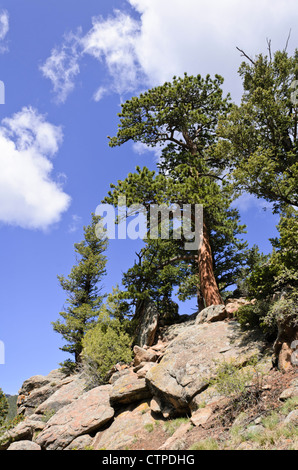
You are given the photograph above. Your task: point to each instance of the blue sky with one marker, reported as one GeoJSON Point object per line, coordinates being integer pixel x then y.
{"type": "Point", "coordinates": [67, 65]}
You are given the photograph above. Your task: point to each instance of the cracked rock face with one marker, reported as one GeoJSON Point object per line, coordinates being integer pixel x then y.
{"type": "Point", "coordinates": [191, 359]}
{"type": "Point", "coordinates": [85, 415]}
{"type": "Point", "coordinates": [128, 389]}
{"type": "Point", "coordinates": [125, 428]}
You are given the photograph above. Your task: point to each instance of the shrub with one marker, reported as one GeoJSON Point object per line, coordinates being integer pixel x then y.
{"type": "Point", "coordinates": [267, 314]}
{"type": "Point", "coordinates": [206, 444]}
{"type": "Point", "coordinates": [284, 310]}
{"type": "Point", "coordinates": [242, 384]}
{"type": "Point", "coordinates": [105, 345]}
{"type": "Point", "coordinates": [252, 315]}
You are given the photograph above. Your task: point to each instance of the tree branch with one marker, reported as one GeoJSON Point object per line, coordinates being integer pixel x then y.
{"type": "Point", "coordinates": [245, 55]}
{"type": "Point", "coordinates": [287, 43]}
{"type": "Point", "coordinates": [269, 48]}
{"type": "Point", "coordinates": [177, 258]}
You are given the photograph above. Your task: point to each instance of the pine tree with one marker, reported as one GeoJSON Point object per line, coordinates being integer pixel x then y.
{"type": "Point", "coordinates": [165, 264]}
{"type": "Point", "coordinates": [108, 341]}
{"type": "Point", "coordinates": [259, 138]}
{"type": "Point", "coordinates": [182, 116]}
{"type": "Point", "coordinates": [84, 294]}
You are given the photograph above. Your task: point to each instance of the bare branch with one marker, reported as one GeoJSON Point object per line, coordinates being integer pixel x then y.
{"type": "Point", "coordinates": [245, 55]}
{"type": "Point", "coordinates": [287, 43]}
{"type": "Point", "coordinates": [269, 48]}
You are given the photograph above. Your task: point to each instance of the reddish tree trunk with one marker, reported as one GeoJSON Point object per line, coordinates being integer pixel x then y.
{"type": "Point", "coordinates": [208, 282]}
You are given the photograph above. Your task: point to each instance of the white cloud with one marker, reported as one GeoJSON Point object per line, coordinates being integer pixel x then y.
{"type": "Point", "coordinates": [100, 93]}
{"type": "Point", "coordinates": [62, 67]}
{"type": "Point", "coordinates": [246, 202]}
{"type": "Point", "coordinates": [170, 37]}
{"type": "Point", "coordinates": [140, 148]}
{"type": "Point", "coordinates": [29, 198]}
{"type": "Point", "coordinates": [4, 28]}
{"type": "Point", "coordinates": [76, 222]}
{"type": "Point", "coordinates": [114, 42]}
{"type": "Point", "coordinates": [195, 36]}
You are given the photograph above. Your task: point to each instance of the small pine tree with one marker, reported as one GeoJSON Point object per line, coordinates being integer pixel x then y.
{"type": "Point", "coordinates": [108, 342]}
{"type": "Point", "coordinates": [84, 295]}
{"type": "Point", "coordinates": [3, 407]}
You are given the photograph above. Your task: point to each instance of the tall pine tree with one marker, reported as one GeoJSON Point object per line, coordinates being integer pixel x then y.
{"type": "Point", "coordinates": [84, 294]}
{"type": "Point", "coordinates": [182, 116]}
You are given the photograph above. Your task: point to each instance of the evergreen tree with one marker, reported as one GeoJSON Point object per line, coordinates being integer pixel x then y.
{"type": "Point", "coordinates": [259, 141]}
{"type": "Point", "coordinates": [84, 294]}
{"type": "Point", "coordinates": [182, 116]}
{"type": "Point", "coordinates": [107, 342]}
{"type": "Point", "coordinates": [3, 407]}
{"type": "Point", "coordinates": [273, 282]}
{"type": "Point", "coordinates": [165, 263]}
{"type": "Point", "coordinates": [259, 138]}
{"type": "Point", "coordinates": [159, 268]}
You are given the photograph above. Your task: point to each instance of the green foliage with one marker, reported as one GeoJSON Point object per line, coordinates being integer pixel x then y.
{"type": "Point", "coordinates": [254, 260]}
{"type": "Point", "coordinates": [149, 427]}
{"type": "Point", "coordinates": [231, 379]}
{"type": "Point", "coordinates": [47, 415]}
{"type": "Point", "coordinates": [189, 106]}
{"type": "Point", "coordinates": [172, 425]}
{"type": "Point", "coordinates": [12, 407]}
{"type": "Point", "coordinates": [10, 424]}
{"type": "Point", "coordinates": [159, 269]}
{"type": "Point", "coordinates": [253, 315]}
{"type": "Point", "coordinates": [243, 384]}
{"type": "Point", "coordinates": [106, 344]}
{"type": "Point", "coordinates": [274, 282]}
{"type": "Point", "coordinates": [205, 444]}
{"type": "Point", "coordinates": [181, 117]}
{"type": "Point", "coordinates": [3, 407]}
{"type": "Point", "coordinates": [84, 299]}
{"type": "Point", "coordinates": [260, 136]}
{"type": "Point", "coordinates": [284, 310]}
{"type": "Point", "coordinates": [289, 405]}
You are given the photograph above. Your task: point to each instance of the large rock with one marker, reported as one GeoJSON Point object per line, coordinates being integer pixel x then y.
{"type": "Point", "coordinates": [192, 357]}
{"type": "Point", "coordinates": [143, 355]}
{"type": "Point", "coordinates": [81, 443]}
{"type": "Point", "coordinates": [233, 305]}
{"type": "Point", "coordinates": [291, 391]}
{"type": "Point", "coordinates": [125, 429]}
{"type": "Point", "coordinates": [292, 418]}
{"type": "Point", "coordinates": [24, 445]}
{"type": "Point", "coordinates": [65, 395]}
{"type": "Point", "coordinates": [129, 389]}
{"type": "Point", "coordinates": [201, 416]}
{"type": "Point", "coordinates": [178, 440]}
{"type": "Point", "coordinates": [25, 430]}
{"type": "Point", "coordinates": [148, 323]}
{"type": "Point", "coordinates": [39, 388]}
{"type": "Point", "coordinates": [212, 314]}
{"type": "Point", "coordinates": [85, 415]}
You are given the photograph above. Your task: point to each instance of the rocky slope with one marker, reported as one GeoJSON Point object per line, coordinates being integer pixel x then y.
{"type": "Point", "coordinates": [168, 397]}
